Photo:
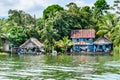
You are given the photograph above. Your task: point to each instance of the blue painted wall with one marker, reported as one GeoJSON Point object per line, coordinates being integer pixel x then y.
{"type": "Point", "coordinates": [82, 39]}
{"type": "Point", "coordinates": [74, 39]}
{"type": "Point", "coordinates": [102, 48]}
{"type": "Point", "coordinates": [77, 47]}
{"type": "Point", "coordinates": [92, 47]}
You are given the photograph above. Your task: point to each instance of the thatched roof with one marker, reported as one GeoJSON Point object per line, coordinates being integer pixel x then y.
{"type": "Point", "coordinates": [32, 42]}
{"type": "Point", "coordinates": [102, 40]}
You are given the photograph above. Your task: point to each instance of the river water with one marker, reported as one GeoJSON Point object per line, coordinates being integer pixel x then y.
{"type": "Point", "coordinates": [47, 67]}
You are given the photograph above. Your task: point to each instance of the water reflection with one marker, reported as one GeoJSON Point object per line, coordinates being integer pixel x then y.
{"type": "Point", "coordinates": [62, 67]}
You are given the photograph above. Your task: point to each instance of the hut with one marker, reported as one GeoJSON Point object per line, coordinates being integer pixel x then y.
{"type": "Point", "coordinates": [102, 44]}
{"type": "Point", "coordinates": [5, 43]}
{"type": "Point", "coordinates": [32, 45]}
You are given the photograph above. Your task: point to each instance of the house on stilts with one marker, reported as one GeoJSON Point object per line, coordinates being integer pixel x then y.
{"type": "Point", "coordinates": [4, 43]}
{"type": "Point", "coordinates": [32, 45]}
{"type": "Point", "coordinates": [102, 44]}
{"type": "Point", "coordinates": [84, 41]}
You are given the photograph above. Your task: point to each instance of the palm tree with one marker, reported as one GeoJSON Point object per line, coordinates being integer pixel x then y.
{"type": "Point", "coordinates": [64, 43]}
{"type": "Point", "coordinates": [116, 38]}
{"type": "Point", "coordinates": [110, 26]}
{"type": "Point", "coordinates": [116, 34]}
{"type": "Point", "coordinates": [107, 24]}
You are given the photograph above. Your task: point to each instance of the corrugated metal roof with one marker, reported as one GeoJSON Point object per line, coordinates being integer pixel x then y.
{"type": "Point", "coordinates": [83, 33]}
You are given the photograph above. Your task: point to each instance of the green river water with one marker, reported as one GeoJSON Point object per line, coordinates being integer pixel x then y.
{"type": "Point", "coordinates": [62, 67]}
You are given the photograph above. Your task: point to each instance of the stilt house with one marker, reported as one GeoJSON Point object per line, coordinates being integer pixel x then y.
{"type": "Point", "coordinates": [32, 45]}
{"type": "Point", "coordinates": [83, 40]}
{"type": "Point", "coordinates": [102, 44]}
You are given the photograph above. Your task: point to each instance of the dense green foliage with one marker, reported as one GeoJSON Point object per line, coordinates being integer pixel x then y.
{"type": "Point", "coordinates": [100, 7]}
{"type": "Point", "coordinates": [116, 6]}
{"type": "Point", "coordinates": [58, 22]}
{"type": "Point", "coordinates": [51, 10]}
{"type": "Point", "coordinates": [20, 17]}
{"type": "Point", "coordinates": [17, 35]}
{"type": "Point", "coordinates": [64, 44]}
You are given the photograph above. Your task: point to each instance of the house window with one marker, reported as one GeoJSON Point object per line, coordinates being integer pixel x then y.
{"type": "Point", "coordinates": [87, 39]}
{"type": "Point", "coordinates": [74, 40]}
{"type": "Point", "coordinates": [90, 40]}
{"type": "Point", "coordinates": [77, 40]}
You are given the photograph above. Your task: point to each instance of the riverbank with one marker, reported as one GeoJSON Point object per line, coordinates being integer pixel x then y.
{"type": "Point", "coordinates": [91, 53]}
{"type": "Point", "coordinates": [3, 53]}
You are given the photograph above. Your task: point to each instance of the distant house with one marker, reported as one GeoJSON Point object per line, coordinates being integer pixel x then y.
{"type": "Point", "coordinates": [32, 45]}
{"type": "Point", "coordinates": [5, 43]}
{"type": "Point", "coordinates": [83, 40]}
{"type": "Point", "coordinates": [102, 44]}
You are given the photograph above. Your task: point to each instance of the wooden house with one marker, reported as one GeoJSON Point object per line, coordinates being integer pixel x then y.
{"type": "Point", "coordinates": [5, 43]}
{"type": "Point", "coordinates": [31, 46]}
{"type": "Point", "coordinates": [83, 40]}
{"type": "Point", "coordinates": [102, 44]}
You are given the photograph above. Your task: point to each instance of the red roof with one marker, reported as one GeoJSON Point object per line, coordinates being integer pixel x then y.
{"type": "Point", "coordinates": [83, 33]}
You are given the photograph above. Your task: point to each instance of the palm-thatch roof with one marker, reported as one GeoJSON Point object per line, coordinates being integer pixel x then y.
{"type": "Point", "coordinates": [102, 40]}
{"type": "Point", "coordinates": [32, 42]}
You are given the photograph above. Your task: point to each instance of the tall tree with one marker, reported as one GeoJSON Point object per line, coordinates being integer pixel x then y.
{"type": "Point", "coordinates": [100, 7]}
{"type": "Point", "coordinates": [107, 24]}
{"type": "Point", "coordinates": [20, 17]}
{"type": "Point", "coordinates": [49, 35]}
{"type": "Point", "coordinates": [40, 24]}
{"type": "Point", "coordinates": [115, 35]}
{"type": "Point", "coordinates": [51, 10]}
{"type": "Point", "coordinates": [17, 35]}
{"type": "Point", "coordinates": [73, 8]}
{"type": "Point", "coordinates": [116, 6]}
{"type": "Point", "coordinates": [64, 22]}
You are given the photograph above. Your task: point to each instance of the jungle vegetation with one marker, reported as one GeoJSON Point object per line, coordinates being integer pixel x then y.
{"type": "Point", "coordinates": [56, 24]}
